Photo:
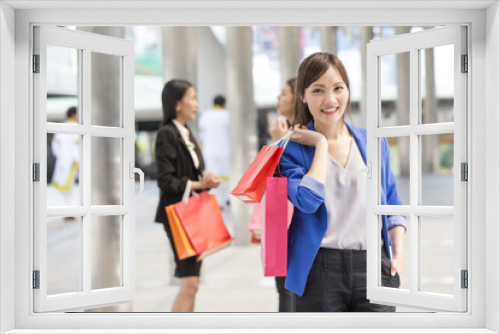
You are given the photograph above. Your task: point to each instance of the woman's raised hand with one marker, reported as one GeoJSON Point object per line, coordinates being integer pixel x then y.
{"type": "Point", "coordinates": [210, 180]}
{"type": "Point", "coordinates": [302, 135]}
{"type": "Point", "coordinates": [278, 129]}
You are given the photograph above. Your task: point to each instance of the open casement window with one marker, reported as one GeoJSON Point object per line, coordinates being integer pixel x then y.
{"type": "Point", "coordinates": [428, 157]}
{"type": "Point", "coordinates": [84, 171]}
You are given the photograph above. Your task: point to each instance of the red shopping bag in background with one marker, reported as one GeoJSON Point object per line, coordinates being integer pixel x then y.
{"type": "Point", "coordinates": [254, 226]}
{"type": "Point", "coordinates": [252, 185]}
{"type": "Point", "coordinates": [274, 230]}
{"type": "Point", "coordinates": [203, 223]}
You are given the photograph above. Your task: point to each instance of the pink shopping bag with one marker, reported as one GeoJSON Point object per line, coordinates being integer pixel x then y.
{"type": "Point", "coordinates": [274, 229]}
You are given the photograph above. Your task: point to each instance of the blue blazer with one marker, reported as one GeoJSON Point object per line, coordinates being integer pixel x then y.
{"type": "Point", "coordinates": [309, 220]}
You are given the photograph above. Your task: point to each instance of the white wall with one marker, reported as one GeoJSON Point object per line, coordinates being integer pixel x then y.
{"type": "Point", "coordinates": [492, 163]}
{"type": "Point", "coordinates": [7, 160]}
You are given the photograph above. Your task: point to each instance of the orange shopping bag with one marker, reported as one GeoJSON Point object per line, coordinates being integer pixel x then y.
{"type": "Point", "coordinates": [252, 185]}
{"type": "Point", "coordinates": [201, 218]}
{"type": "Point", "coordinates": [182, 244]}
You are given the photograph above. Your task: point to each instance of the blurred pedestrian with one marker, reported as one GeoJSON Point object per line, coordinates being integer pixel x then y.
{"type": "Point", "coordinates": [180, 171]}
{"type": "Point", "coordinates": [214, 131]}
{"type": "Point", "coordinates": [66, 149]}
{"type": "Point", "coordinates": [327, 236]}
{"type": "Point", "coordinates": [285, 108]}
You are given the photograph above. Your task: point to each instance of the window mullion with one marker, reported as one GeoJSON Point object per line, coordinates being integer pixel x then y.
{"type": "Point", "coordinates": [415, 171]}
{"type": "Point", "coordinates": [86, 171]}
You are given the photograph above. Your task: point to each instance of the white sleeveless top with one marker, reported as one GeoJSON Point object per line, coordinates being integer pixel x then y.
{"type": "Point", "coordinates": [346, 208]}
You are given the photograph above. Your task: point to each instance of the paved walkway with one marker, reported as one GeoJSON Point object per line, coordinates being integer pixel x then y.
{"type": "Point", "coordinates": [232, 279]}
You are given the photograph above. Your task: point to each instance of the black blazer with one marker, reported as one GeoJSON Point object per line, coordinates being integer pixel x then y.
{"type": "Point", "coordinates": [174, 167]}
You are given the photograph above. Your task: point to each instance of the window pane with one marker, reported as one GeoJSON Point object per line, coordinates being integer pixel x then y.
{"type": "Point", "coordinates": [63, 77]}
{"type": "Point", "coordinates": [395, 89]}
{"type": "Point", "coordinates": [106, 90]}
{"type": "Point", "coordinates": [106, 171]}
{"type": "Point", "coordinates": [402, 279]}
{"type": "Point", "coordinates": [63, 161]}
{"type": "Point", "coordinates": [106, 237]}
{"type": "Point", "coordinates": [64, 254]}
{"type": "Point", "coordinates": [436, 254]}
{"type": "Point", "coordinates": [400, 166]}
{"type": "Point", "coordinates": [437, 169]}
{"type": "Point", "coordinates": [437, 84]}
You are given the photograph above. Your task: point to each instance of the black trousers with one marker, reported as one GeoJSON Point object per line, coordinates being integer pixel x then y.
{"type": "Point", "coordinates": [285, 296]}
{"type": "Point", "coordinates": [337, 283]}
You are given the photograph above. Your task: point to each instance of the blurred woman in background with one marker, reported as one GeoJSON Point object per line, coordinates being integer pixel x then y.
{"type": "Point", "coordinates": [180, 171]}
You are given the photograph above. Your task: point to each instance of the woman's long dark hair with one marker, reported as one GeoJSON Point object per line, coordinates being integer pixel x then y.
{"type": "Point", "coordinates": [173, 92]}
{"type": "Point", "coordinates": [311, 69]}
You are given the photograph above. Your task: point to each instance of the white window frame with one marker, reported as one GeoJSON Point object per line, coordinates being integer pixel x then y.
{"type": "Point", "coordinates": [85, 44]}
{"type": "Point", "coordinates": [484, 212]}
{"type": "Point", "coordinates": [414, 43]}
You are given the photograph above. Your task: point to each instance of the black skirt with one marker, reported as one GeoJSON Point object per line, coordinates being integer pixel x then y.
{"type": "Point", "coordinates": [183, 268]}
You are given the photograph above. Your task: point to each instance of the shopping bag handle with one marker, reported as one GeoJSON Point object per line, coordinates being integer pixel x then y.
{"type": "Point", "coordinates": [286, 137]}
{"type": "Point", "coordinates": [188, 194]}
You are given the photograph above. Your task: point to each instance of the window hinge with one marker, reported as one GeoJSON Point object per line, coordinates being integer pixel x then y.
{"type": "Point", "coordinates": [36, 279]}
{"type": "Point", "coordinates": [464, 171]}
{"type": "Point", "coordinates": [465, 279]}
{"type": "Point", "coordinates": [36, 172]}
{"type": "Point", "coordinates": [465, 64]}
{"type": "Point", "coordinates": [36, 63]}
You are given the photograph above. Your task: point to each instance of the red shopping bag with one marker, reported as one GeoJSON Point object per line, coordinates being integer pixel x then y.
{"type": "Point", "coordinates": [252, 185]}
{"type": "Point", "coordinates": [255, 223]}
{"type": "Point", "coordinates": [202, 221]}
{"type": "Point", "coordinates": [274, 230]}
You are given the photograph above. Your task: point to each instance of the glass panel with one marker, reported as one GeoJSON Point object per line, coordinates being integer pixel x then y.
{"type": "Point", "coordinates": [436, 254]}
{"type": "Point", "coordinates": [437, 169]}
{"type": "Point", "coordinates": [106, 90]}
{"type": "Point", "coordinates": [402, 279]}
{"type": "Point", "coordinates": [437, 84]}
{"type": "Point", "coordinates": [395, 89]}
{"type": "Point", "coordinates": [62, 84]}
{"type": "Point", "coordinates": [400, 166]}
{"type": "Point", "coordinates": [106, 171]}
{"type": "Point", "coordinates": [63, 172]}
{"type": "Point", "coordinates": [64, 254]}
{"type": "Point", "coordinates": [106, 238]}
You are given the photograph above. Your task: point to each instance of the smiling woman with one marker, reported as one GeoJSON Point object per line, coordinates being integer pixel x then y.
{"type": "Point", "coordinates": [329, 222]}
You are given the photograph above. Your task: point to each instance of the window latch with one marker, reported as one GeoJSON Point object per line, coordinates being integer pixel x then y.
{"type": "Point", "coordinates": [368, 171]}
{"type": "Point", "coordinates": [132, 171]}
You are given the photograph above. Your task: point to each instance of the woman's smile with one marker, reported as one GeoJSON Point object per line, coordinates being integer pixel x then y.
{"type": "Point", "coordinates": [329, 110]}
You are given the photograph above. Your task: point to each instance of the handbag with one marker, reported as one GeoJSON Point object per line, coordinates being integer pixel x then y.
{"type": "Point", "coordinates": [252, 185]}
{"type": "Point", "coordinates": [182, 244]}
{"type": "Point", "coordinates": [201, 219]}
{"type": "Point", "coordinates": [274, 230]}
